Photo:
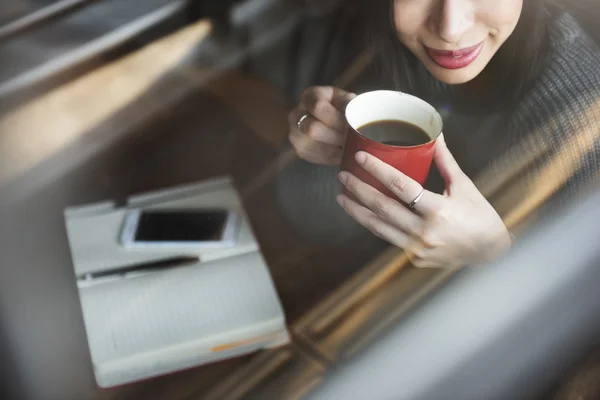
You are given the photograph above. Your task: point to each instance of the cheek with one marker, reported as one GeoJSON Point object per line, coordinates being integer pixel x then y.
{"type": "Point", "coordinates": [409, 18]}
{"type": "Point", "coordinates": [501, 16]}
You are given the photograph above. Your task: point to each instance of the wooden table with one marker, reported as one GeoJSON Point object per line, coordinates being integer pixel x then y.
{"type": "Point", "coordinates": [198, 139]}
{"type": "Point", "coordinates": [189, 145]}
{"type": "Point", "coordinates": [207, 133]}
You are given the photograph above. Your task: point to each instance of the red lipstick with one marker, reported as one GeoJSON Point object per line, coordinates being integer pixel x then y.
{"type": "Point", "coordinates": [455, 59]}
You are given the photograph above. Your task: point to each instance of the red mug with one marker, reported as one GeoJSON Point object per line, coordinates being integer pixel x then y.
{"type": "Point", "coordinates": [387, 105]}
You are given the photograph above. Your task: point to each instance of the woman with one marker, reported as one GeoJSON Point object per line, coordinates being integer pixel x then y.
{"type": "Point", "coordinates": [512, 77]}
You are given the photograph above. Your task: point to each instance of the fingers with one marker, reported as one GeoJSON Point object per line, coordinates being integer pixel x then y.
{"type": "Point", "coordinates": [320, 146]}
{"type": "Point", "coordinates": [391, 221]}
{"type": "Point", "coordinates": [321, 135]}
{"type": "Point", "coordinates": [316, 130]}
{"type": "Point", "coordinates": [403, 187]}
{"type": "Point", "coordinates": [422, 256]}
{"type": "Point", "coordinates": [419, 255]}
{"type": "Point", "coordinates": [373, 223]}
{"type": "Point", "coordinates": [420, 263]}
{"type": "Point", "coordinates": [321, 103]}
{"type": "Point", "coordinates": [341, 98]}
{"type": "Point", "coordinates": [387, 209]}
{"type": "Point", "coordinates": [445, 162]}
{"type": "Point", "coordinates": [319, 132]}
{"type": "Point", "coordinates": [335, 96]}
{"type": "Point", "coordinates": [313, 151]}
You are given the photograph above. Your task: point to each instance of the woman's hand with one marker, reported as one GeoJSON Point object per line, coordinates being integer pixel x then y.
{"type": "Point", "coordinates": [456, 229]}
{"type": "Point", "coordinates": [321, 134]}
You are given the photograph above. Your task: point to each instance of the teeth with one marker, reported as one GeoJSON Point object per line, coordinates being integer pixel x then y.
{"type": "Point", "coordinates": [457, 56]}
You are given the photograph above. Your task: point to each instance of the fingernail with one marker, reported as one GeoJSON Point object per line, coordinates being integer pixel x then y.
{"type": "Point", "coordinates": [340, 200]}
{"type": "Point", "coordinates": [343, 177]}
{"type": "Point", "coordinates": [360, 157]}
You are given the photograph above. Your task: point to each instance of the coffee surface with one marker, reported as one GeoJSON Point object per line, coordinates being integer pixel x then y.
{"type": "Point", "coordinates": [395, 133]}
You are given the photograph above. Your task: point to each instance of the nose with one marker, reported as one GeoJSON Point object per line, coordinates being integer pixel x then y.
{"type": "Point", "coordinates": [453, 19]}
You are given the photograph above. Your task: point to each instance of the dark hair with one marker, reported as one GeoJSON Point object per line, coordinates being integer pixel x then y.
{"type": "Point", "coordinates": [511, 71]}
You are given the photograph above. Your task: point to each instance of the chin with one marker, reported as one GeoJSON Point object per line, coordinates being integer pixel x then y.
{"type": "Point", "coordinates": [454, 77]}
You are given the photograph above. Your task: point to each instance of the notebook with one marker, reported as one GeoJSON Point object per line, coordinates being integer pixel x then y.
{"type": "Point", "coordinates": [138, 327]}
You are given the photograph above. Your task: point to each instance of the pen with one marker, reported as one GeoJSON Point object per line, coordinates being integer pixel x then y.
{"type": "Point", "coordinates": [167, 263]}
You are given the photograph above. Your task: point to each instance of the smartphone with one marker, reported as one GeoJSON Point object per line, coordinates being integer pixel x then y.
{"type": "Point", "coordinates": [206, 228]}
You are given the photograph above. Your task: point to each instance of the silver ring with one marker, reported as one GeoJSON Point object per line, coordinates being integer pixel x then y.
{"type": "Point", "coordinates": [301, 120]}
{"type": "Point", "coordinates": [413, 204]}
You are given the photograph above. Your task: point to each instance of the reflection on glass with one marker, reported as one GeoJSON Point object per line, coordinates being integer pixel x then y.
{"type": "Point", "coordinates": [260, 91]}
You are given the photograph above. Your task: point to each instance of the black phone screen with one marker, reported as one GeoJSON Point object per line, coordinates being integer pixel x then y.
{"type": "Point", "coordinates": [181, 226]}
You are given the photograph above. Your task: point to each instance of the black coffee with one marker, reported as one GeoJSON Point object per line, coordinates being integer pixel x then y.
{"type": "Point", "coordinates": [395, 133]}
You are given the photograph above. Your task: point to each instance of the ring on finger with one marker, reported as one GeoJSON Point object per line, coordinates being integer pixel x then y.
{"type": "Point", "coordinates": [301, 120]}
{"type": "Point", "coordinates": [413, 203]}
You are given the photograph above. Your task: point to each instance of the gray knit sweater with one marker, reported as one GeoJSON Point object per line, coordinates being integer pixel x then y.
{"type": "Point", "coordinates": [547, 148]}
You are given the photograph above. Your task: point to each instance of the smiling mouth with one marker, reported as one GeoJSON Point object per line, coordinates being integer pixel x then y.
{"type": "Point", "coordinates": [455, 59]}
